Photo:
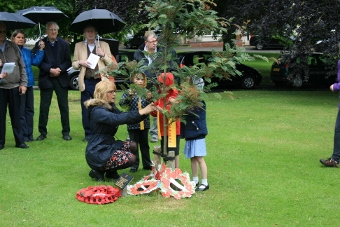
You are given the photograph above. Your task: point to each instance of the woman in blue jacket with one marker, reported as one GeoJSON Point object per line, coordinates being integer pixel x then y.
{"type": "Point", "coordinates": [27, 100]}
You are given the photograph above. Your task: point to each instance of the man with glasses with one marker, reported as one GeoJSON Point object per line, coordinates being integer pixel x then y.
{"type": "Point", "coordinates": [147, 52]}
{"type": "Point", "coordinates": [53, 77]}
{"type": "Point", "coordinates": [12, 85]}
{"type": "Point", "coordinates": [87, 78]}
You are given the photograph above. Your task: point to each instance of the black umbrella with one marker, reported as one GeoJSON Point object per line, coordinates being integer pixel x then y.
{"type": "Point", "coordinates": [15, 21]}
{"type": "Point", "coordinates": [103, 20]}
{"type": "Point", "coordinates": [42, 14]}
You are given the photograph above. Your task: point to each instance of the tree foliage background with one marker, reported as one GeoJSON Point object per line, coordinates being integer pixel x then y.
{"type": "Point", "coordinates": [309, 21]}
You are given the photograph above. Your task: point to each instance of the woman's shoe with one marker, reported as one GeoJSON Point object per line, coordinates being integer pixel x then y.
{"type": "Point", "coordinates": [112, 175]}
{"type": "Point", "coordinates": [97, 175]}
{"type": "Point", "coordinates": [202, 187]}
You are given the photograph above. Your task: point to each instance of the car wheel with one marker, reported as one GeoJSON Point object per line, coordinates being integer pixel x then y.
{"type": "Point", "coordinates": [297, 81]}
{"type": "Point", "coordinates": [74, 82]}
{"type": "Point", "coordinates": [259, 46]}
{"type": "Point", "coordinates": [248, 82]}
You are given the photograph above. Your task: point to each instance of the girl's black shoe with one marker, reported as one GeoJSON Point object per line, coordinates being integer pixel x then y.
{"type": "Point", "coordinates": [202, 187]}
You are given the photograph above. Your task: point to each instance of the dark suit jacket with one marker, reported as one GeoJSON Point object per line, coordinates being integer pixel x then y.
{"type": "Point", "coordinates": [63, 61]}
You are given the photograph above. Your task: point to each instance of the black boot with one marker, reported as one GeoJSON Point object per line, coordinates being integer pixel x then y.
{"type": "Point", "coordinates": [97, 175]}
{"type": "Point", "coordinates": [112, 174]}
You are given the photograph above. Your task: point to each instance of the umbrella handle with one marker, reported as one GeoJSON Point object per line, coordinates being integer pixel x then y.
{"type": "Point", "coordinates": [98, 41]}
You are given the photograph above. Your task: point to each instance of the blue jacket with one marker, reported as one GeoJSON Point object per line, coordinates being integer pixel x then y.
{"type": "Point", "coordinates": [196, 123]}
{"type": "Point", "coordinates": [30, 59]}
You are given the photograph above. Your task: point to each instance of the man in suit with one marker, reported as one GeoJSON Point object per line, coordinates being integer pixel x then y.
{"type": "Point", "coordinates": [53, 77]}
{"type": "Point", "coordinates": [87, 78]}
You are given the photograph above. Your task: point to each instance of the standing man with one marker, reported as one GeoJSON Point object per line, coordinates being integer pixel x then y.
{"type": "Point", "coordinates": [147, 54]}
{"type": "Point", "coordinates": [12, 85]}
{"type": "Point", "coordinates": [53, 77]}
{"type": "Point", "coordinates": [334, 160]}
{"type": "Point", "coordinates": [87, 78]}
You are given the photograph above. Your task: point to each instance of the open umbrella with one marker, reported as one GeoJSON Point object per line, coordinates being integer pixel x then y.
{"type": "Point", "coordinates": [15, 21]}
{"type": "Point", "coordinates": [103, 20]}
{"type": "Point", "coordinates": [42, 14]}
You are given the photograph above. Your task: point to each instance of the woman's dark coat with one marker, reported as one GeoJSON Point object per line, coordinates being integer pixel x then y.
{"type": "Point", "coordinates": [105, 120]}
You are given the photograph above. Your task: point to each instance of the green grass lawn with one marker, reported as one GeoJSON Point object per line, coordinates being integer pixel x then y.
{"type": "Point", "coordinates": [263, 169]}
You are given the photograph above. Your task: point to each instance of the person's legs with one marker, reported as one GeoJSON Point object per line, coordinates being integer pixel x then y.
{"type": "Point", "coordinates": [23, 116]}
{"type": "Point", "coordinates": [335, 159]}
{"type": "Point", "coordinates": [45, 103]}
{"type": "Point", "coordinates": [145, 149]}
{"type": "Point", "coordinates": [194, 169]}
{"type": "Point", "coordinates": [3, 113]}
{"type": "Point", "coordinates": [84, 96]}
{"type": "Point", "coordinates": [336, 148]}
{"type": "Point", "coordinates": [134, 136]}
{"type": "Point", "coordinates": [203, 167]}
{"type": "Point", "coordinates": [154, 130]}
{"type": "Point", "coordinates": [29, 113]}
{"type": "Point", "coordinates": [62, 97]}
{"type": "Point", "coordinates": [14, 106]}
{"type": "Point", "coordinates": [204, 174]}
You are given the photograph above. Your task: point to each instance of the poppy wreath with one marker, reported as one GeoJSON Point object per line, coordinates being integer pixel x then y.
{"type": "Point", "coordinates": [98, 194]}
{"type": "Point", "coordinates": [170, 182]}
{"type": "Point", "coordinates": [143, 187]}
{"type": "Point", "coordinates": [171, 187]}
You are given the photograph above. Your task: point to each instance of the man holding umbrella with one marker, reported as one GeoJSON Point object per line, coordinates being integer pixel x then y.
{"type": "Point", "coordinates": [53, 77]}
{"type": "Point", "coordinates": [87, 78]}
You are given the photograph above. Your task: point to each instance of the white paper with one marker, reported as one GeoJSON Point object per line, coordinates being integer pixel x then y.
{"type": "Point", "coordinates": [8, 67]}
{"type": "Point", "coordinates": [93, 59]}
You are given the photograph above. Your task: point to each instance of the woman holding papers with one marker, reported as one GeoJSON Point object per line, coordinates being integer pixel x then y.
{"type": "Point", "coordinates": [11, 87]}
{"type": "Point", "coordinates": [89, 57]}
{"type": "Point", "coordinates": [27, 100]}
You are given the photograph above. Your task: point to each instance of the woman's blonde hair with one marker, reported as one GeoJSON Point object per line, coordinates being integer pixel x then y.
{"type": "Point", "coordinates": [102, 88]}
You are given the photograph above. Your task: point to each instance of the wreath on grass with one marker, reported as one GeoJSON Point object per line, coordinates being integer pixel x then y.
{"type": "Point", "coordinates": [98, 194]}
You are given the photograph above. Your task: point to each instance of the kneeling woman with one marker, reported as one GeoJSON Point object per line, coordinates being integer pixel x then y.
{"type": "Point", "coordinates": [105, 154]}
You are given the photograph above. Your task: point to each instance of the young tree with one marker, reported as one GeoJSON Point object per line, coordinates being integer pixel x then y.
{"type": "Point", "coordinates": [188, 18]}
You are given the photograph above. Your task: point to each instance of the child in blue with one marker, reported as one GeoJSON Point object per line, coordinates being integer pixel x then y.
{"type": "Point", "coordinates": [194, 132]}
{"type": "Point", "coordinates": [136, 98]}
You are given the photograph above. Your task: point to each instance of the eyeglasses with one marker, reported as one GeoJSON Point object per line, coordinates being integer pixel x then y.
{"type": "Point", "coordinates": [3, 31]}
{"type": "Point", "coordinates": [112, 92]}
